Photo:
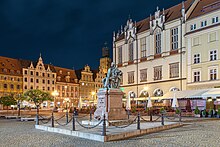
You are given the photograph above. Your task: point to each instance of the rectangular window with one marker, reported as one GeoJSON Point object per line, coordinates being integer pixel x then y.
{"type": "Point", "coordinates": [37, 73]}
{"type": "Point", "coordinates": [174, 38]}
{"type": "Point", "coordinates": [158, 73]}
{"type": "Point", "coordinates": [143, 75]}
{"type": "Point", "coordinates": [213, 55]}
{"type": "Point", "coordinates": [158, 42]}
{"type": "Point", "coordinates": [196, 76]}
{"type": "Point", "coordinates": [174, 70]}
{"type": "Point", "coordinates": [121, 82]}
{"type": "Point", "coordinates": [212, 37]}
{"type": "Point", "coordinates": [143, 47]}
{"type": "Point", "coordinates": [32, 73]}
{"type": "Point", "coordinates": [130, 77]}
{"type": "Point", "coordinates": [25, 72]}
{"type": "Point", "coordinates": [120, 54]}
{"type": "Point", "coordinates": [196, 58]}
{"type": "Point", "coordinates": [213, 74]}
{"type": "Point", "coordinates": [195, 41]}
{"type": "Point", "coordinates": [131, 52]}
{"type": "Point", "coordinates": [32, 80]}
{"type": "Point", "coordinates": [37, 80]}
{"type": "Point", "coordinates": [215, 19]}
{"type": "Point", "coordinates": [193, 27]}
{"type": "Point", "coordinates": [203, 23]}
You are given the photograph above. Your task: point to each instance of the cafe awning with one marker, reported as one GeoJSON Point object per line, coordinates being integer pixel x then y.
{"type": "Point", "coordinates": [185, 94]}
{"type": "Point", "coordinates": [214, 93]}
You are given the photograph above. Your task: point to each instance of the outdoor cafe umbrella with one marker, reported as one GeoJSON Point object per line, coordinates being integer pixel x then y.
{"type": "Point", "coordinates": [80, 103]}
{"type": "Point", "coordinates": [128, 104]}
{"type": "Point", "coordinates": [175, 103]}
{"type": "Point", "coordinates": [149, 103]}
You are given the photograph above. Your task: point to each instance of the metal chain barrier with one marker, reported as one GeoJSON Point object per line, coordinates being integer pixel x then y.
{"type": "Point", "coordinates": [87, 127]}
{"type": "Point", "coordinates": [65, 123]}
{"type": "Point", "coordinates": [76, 116]}
{"type": "Point", "coordinates": [60, 118]}
{"type": "Point", "coordinates": [174, 117]}
{"type": "Point", "coordinates": [44, 120]}
{"type": "Point", "coordinates": [123, 125]}
{"type": "Point", "coordinates": [152, 120]}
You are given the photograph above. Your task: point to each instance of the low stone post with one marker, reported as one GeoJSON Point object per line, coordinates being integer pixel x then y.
{"type": "Point", "coordinates": [37, 116]}
{"type": "Point", "coordinates": [128, 114]}
{"type": "Point", "coordinates": [138, 121]}
{"type": "Point", "coordinates": [90, 115]}
{"type": "Point", "coordinates": [52, 120]}
{"type": "Point", "coordinates": [104, 126]}
{"type": "Point", "coordinates": [67, 116]}
{"type": "Point", "coordinates": [74, 127]}
{"type": "Point", "coordinates": [180, 116]}
{"type": "Point", "coordinates": [151, 117]}
{"type": "Point", "coordinates": [162, 119]}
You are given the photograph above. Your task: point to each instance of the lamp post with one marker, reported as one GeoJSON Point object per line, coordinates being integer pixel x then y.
{"type": "Point", "coordinates": [19, 105]}
{"type": "Point", "coordinates": [66, 100]}
{"type": "Point", "coordinates": [92, 107]}
{"type": "Point", "coordinates": [55, 94]}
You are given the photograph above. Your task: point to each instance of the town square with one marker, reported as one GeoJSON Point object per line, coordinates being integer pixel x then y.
{"type": "Point", "coordinates": [109, 73]}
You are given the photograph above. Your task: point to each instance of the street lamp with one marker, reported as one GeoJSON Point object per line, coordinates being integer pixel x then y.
{"type": "Point", "coordinates": [93, 93]}
{"type": "Point", "coordinates": [55, 94]}
{"type": "Point", "coordinates": [66, 100]}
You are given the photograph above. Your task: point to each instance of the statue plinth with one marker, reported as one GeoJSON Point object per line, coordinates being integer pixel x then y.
{"type": "Point", "coordinates": [110, 103]}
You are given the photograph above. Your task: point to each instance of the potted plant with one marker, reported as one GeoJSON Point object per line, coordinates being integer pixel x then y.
{"type": "Point", "coordinates": [162, 110]}
{"type": "Point", "coordinates": [197, 112]}
{"type": "Point", "coordinates": [204, 113]}
{"type": "Point", "coordinates": [133, 110]}
{"type": "Point", "coordinates": [218, 113]}
{"type": "Point", "coordinates": [210, 113]}
{"type": "Point", "coordinates": [177, 111]}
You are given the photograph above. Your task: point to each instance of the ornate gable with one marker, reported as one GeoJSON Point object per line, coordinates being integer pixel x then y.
{"type": "Point", "coordinates": [158, 21]}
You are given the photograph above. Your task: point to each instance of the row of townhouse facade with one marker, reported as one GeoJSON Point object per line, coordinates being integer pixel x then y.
{"type": "Point", "coordinates": [176, 49]}
{"type": "Point", "coordinates": [18, 76]}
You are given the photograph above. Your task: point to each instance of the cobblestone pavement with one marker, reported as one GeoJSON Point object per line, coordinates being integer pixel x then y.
{"type": "Point", "coordinates": [21, 134]}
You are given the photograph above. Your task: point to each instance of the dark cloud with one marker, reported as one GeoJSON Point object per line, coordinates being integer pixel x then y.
{"type": "Point", "coordinates": [67, 32]}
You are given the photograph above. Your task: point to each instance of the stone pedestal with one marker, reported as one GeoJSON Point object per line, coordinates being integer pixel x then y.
{"type": "Point", "coordinates": [110, 103]}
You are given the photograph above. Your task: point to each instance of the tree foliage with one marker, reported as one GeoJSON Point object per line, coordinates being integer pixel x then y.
{"type": "Point", "coordinates": [37, 96]}
{"type": "Point", "coordinates": [7, 100]}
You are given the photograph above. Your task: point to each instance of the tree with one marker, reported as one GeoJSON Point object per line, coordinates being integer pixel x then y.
{"type": "Point", "coordinates": [19, 98]}
{"type": "Point", "coordinates": [7, 101]}
{"type": "Point", "coordinates": [38, 97]}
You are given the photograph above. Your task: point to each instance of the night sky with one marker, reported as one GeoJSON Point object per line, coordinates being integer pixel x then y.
{"type": "Point", "coordinates": [68, 33]}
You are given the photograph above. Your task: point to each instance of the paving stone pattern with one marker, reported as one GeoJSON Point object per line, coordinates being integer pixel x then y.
{"type": "Point", "coordinates": [23, 134]}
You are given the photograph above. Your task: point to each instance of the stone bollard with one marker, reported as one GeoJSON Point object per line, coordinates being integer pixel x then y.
{"type": "Point", "coordinates": [138, 121]}
{"type": "Point", "coordinates": [67, 117]}
{"type": "Point", "coordinates": [128, 114]}
{"type": "Point", "coordinates": [180, 117]}
{"type": "Point", "coordinates": [104, 126]}
{"type": "Point", "coordinates": [74, 127]}
{"type": "Point", "coordinates": [151, 116]}
{"type": "Point", "coordinates": [52, 120]}
{"type": "Point", "coordinates": [90, 115]}
{"type": "Point", "coordinates": [162, 119]}
{"type": "Point", "coordinates": [37, 119]}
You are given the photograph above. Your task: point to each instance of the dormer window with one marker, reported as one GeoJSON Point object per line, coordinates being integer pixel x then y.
{"type": "Point", "coordinates": [61, 72]}
{"type": "Point", "coordinates": [68, 73]}
{"type": "Point", "coordinates": [58, 78]}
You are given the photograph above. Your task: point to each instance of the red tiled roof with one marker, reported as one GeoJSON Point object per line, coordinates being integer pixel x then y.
{"type": "Point", "coordinates": [64, 73]}
{"type": "Point", "coordinates": [10, 66]}
{"type": "Point", "coordinates": [170, 14]}
{"type": "Point", "coordinates": [204, 7]}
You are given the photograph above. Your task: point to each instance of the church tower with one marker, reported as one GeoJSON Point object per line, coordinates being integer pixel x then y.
{"type": "Point", "coordinates": [105, 61]}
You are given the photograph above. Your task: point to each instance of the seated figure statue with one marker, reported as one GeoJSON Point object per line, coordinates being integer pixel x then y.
{"type": "Point", "coordinates": [113, 77]}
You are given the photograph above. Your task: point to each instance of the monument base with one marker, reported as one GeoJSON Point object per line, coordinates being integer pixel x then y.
{"type": "Point", "coordinates": [110, 104]}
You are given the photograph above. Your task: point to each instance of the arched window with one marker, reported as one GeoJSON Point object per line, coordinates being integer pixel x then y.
{"type": "Point", "coordinates": [158, 41]}
{"type": "Point", "coordinates": [144, 94]}
{"type": "Point", "coordinates": [132, 94]}
{"type": "Point", "coordinates": [174, 89]}
{"type": "Point", "coordinates": [158, 92]}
